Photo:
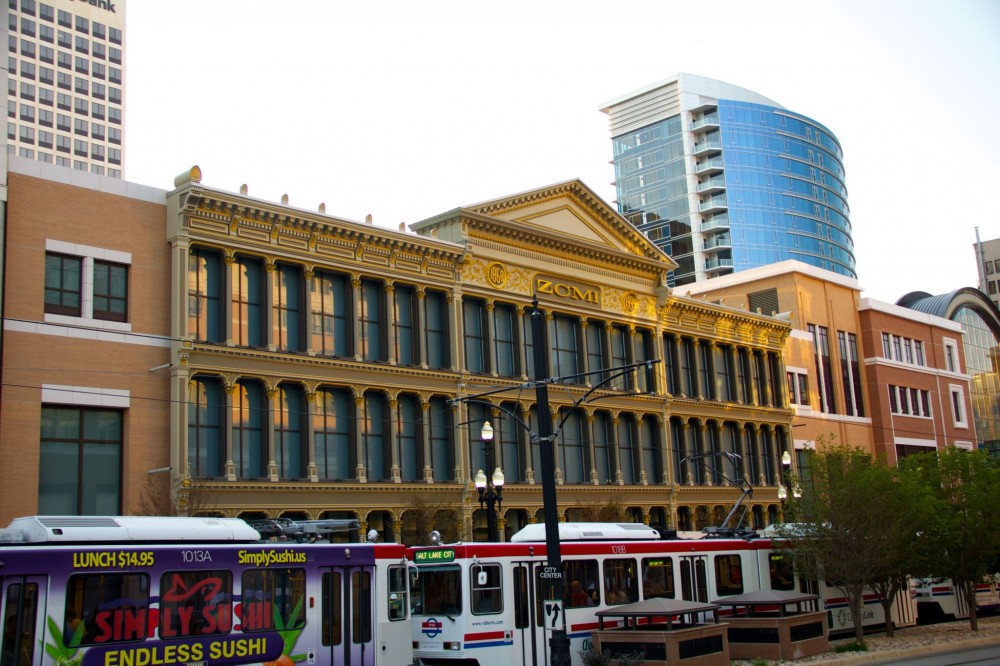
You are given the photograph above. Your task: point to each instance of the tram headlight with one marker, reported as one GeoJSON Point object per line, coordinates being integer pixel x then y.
{"type": "Point", "coordinates": [453, 645]}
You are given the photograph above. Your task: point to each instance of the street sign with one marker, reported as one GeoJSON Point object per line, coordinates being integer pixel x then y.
{"type": "Point", "coordinates": [550, 573]}
{"type": "Point", "coordinates": [554, 618]}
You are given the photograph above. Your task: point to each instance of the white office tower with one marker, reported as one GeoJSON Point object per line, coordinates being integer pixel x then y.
{"type": "Point", "coordinates": [65, 83]}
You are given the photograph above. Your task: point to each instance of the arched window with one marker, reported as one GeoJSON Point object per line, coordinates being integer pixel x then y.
{"type": "Point", "coordinates": [572, 444]}
{"type": "Point", "coordinates": [205, 283]}
{"type": "Point", "coordinates": [332, 327]}
{"type": "Point", "coordinates": [442, 444]}
{"type": "Point", "coordinates": [410, 438]}
{"type": "Point", "coordinates": [332, 434]}
{"type": "Point", "coordinates": [628, 458]}
{"type": "Point", "coordinates": [652, 460]}
{"type": "Point", "coordinates": [679, 447]}
{"type": "Point", "coordinates": [206, 449]}
{"type": "Point", "coordinates": [249, 316]}
{"type": "Point", "coordinates": [290, 416]}
{"type": "Point", "coordinates": [249, 417]}
{"type": "Point", "coordinates": [604, 437]}
{"type": "Point", "coordinates": [511, 436]}
{"type": "Point", "coordinates": [289, 310]}
{"type": "Point", "coordinates": [375, 436]}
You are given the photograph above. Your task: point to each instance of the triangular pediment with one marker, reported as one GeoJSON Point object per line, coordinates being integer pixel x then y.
{"type": "Point", "coordinates": [572, 211]}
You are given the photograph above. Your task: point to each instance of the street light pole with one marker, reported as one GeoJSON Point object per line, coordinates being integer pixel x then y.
{"type": "Point", "coordinates": [490, 497]}
{"type": "Point", "coordinates": [559, 654]}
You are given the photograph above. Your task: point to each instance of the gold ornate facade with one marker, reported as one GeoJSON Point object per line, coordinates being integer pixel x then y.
{"type": "Point", "coordinates": [317, 363]}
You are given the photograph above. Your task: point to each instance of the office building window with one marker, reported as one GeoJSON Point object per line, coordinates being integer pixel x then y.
{"type": "Point", "coordinates": [798, 388]}
{"type": "Point", "coordinates": [850, 370]}
{"type": "Point", "coordinates": [436, 330]}
{"type": "Point", "coordinates": [205, 286]}
{"type": "Point", "coordinates": [80, 461]}
{"type": "Point", "coordinates": [65, 19]}
{"type": "Point", "coordinates": [375, 436]}
{"type": "Point", "coordinates": [332, 328]}
{"type": "Point", "coordinates": [250, 410]}
{"type": "Point", "coordinates": [110, 291]}
{"type": "Point", "coordinates": [63, 284]}
{"type": "Point", "coordinates": [405, 324]}
{"type": "Point", "coordinates": [373, 340]}
{"type": "Point", "coordinates": [474, 327]}
{"type": "Point", "coordinates": [505, 343]}
{"type": "Point", "coordinates": [950, 355]}
{"type": "Point", "coordinates": [82, 25]}
{"type": "Point", "coordinates": [98, 30]}
{"type": "Point", "coordinates": [288, 309]}
{"type": "Point", "coordinates": [206, 416]}
{"type": "Point", "coordinates": [290, 450]}
{"type": "Point", "coordinates": [958, 416]}
{"type": "Point", "coordinates": [824, 368]}
{"type": "Point", "coordinates": [249, 317]}
{"type": "Point", "coordinates": [332, 422]}
{"type": "Point", "coordinates": [909, 401]}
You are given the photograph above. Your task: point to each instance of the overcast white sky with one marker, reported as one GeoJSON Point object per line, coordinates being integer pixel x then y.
{"type": "Point", "coordinates": [406, 109]}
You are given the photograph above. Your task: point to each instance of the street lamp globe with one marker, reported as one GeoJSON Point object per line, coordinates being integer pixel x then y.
{"type": "Point", "coordinates": [786, 460]}
{"type": "Point", "coordinates": [782, 493]}
{"type": "Point", "coordinates": [487, 432]}
{"type": "Point", "coordinates": [480, 480]}
{"type": "Point", "coordinates": [497, 478]}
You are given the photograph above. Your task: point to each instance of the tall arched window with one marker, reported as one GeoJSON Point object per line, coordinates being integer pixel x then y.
{"type": "Point", "coordinates": [628, 454]}
{"type": "Point", "coordinates": [206, 448]}
{"type": "Point", "coordinates": [604, 437]}
{"type": "Point", "coordinates": [290, 416]}
{"type": "Point", "coordinates": [442, 444]}
{"type": "Point", "coordinates": [510, 434]}
{"type": "Point", "coordinates": [205, 284]}
{"type": "Point", "coordinates": [331, 328]}
{"type": "Point", "coordinates": [375, 436]}
{"type": "Point", "coordinates": [249, 417]}
{"type": "Point", "coordinates": [332, 434]}
{"type": "Point", "coordinates": [249, 316]}
{"type": "Point", "coordinates": [289, 309]}
{"type": "Point", "coordinates": [409, 438]}
{"type": "Point", "coordinates": [478, 449]}
{"type": "Point", "coordinates": [572, 444]}
{"type": "Point", "coordinates": [679, 447]}
{"type": "Point", "coordinates": [652, 460]}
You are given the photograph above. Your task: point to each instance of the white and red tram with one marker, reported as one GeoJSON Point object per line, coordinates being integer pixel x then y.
{"type": "Point", "coordinates": [481, 603]}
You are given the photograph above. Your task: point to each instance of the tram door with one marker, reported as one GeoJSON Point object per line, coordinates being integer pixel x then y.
{"type": "Point", "coordinates": [694, 581]}
{"type": "Point", "coordinates": [530, 639]}
{"type": "Point", "coordinates": [348, 616]}
{"type": "Point", "coordinates": [23, 610]}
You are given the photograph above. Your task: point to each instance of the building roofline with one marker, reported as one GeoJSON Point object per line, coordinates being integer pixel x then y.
{"type": "Point", "coordinates": [769, 271]}
{"type": "Point", "coordinates": [685, 81]}
{"type": "Point", "coordinates": [89, 181]}
{"type": "Point", "coordinates": [907, 313]}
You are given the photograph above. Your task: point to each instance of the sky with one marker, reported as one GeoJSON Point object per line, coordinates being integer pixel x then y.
{"type": "Point", "coordinates": [404, 110]}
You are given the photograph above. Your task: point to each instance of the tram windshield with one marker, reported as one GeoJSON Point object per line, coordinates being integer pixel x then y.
{"type": "Point", "coordinates": [437, 591]}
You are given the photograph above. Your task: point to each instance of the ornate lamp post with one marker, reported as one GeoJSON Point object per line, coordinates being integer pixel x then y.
{"type": "Point", "coordinates": [490, 496]}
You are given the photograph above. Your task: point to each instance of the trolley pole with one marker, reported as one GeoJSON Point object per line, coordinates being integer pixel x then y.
{"type": "Point", "coordinates": [559, 642]}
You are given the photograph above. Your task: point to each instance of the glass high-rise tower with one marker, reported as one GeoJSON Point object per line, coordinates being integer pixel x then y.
{"type": "Point", "coordinates": [724, 179]}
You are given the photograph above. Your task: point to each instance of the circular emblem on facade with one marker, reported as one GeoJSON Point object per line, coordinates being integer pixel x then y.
{"type": "Point", "coordinates": [496, 275]}
{"type": "Point", "coordinates": [630, 303]}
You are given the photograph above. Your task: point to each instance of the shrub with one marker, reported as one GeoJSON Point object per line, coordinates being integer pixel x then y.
{"type": "Point", "coordinates": [853, 646]}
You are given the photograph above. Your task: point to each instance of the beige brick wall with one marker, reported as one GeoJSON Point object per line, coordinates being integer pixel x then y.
{"type": "Point", "coordinates": [41, 209]}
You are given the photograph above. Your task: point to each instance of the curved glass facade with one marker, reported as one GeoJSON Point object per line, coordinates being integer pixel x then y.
{"type": "Point", "coordinates": [982, 348]}
{"type": "Point", "coordinates": [726, 185]}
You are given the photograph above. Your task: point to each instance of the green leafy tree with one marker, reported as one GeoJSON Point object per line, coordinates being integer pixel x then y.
{"type": "Point", "coordinates": [845, 530]}
{"type": "Point", "coordinates": [961, 536]}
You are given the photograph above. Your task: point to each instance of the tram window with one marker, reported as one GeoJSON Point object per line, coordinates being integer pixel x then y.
{"type": "Point", "coordinates": [361, 607]}
{"type": "Point", "coordinates": [399, 605]}
{"type": "Point", "coordinates": [487, 589]}
{"type": "Point", "coordinates": [19, 625]}
{"type": "Point", "coordinates": [581, 583]}
{"type": "Point", "coordinates": [780, 568]}
{"type": "Point", "coordinates": [657, 578]}
{"type": "Point", "coordinates": [112, 607]}
{"type": "Point", "coordinates": [621, 584]}
{"type": "Point", "coordinates": [196, 603]}
{"type": "Point", "coordinates": [270, 594]}
{"type": "Point", "coordinates": [438, 590]}
{"type": "Point", "coordinates": [728, 575]}
{"type": "Point", "coordinates": [333, 609]}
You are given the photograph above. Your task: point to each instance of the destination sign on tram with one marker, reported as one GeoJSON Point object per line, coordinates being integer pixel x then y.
{"type": "Point", "coordinates": [550, 573]}
{"type": "Point", "coordinates": [440, 555]}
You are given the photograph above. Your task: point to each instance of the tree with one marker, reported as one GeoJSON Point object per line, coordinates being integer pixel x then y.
{"type": "Point", "coordinates": [846, 528]}
{"type": "Point", "coordinates": [962, 534]}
